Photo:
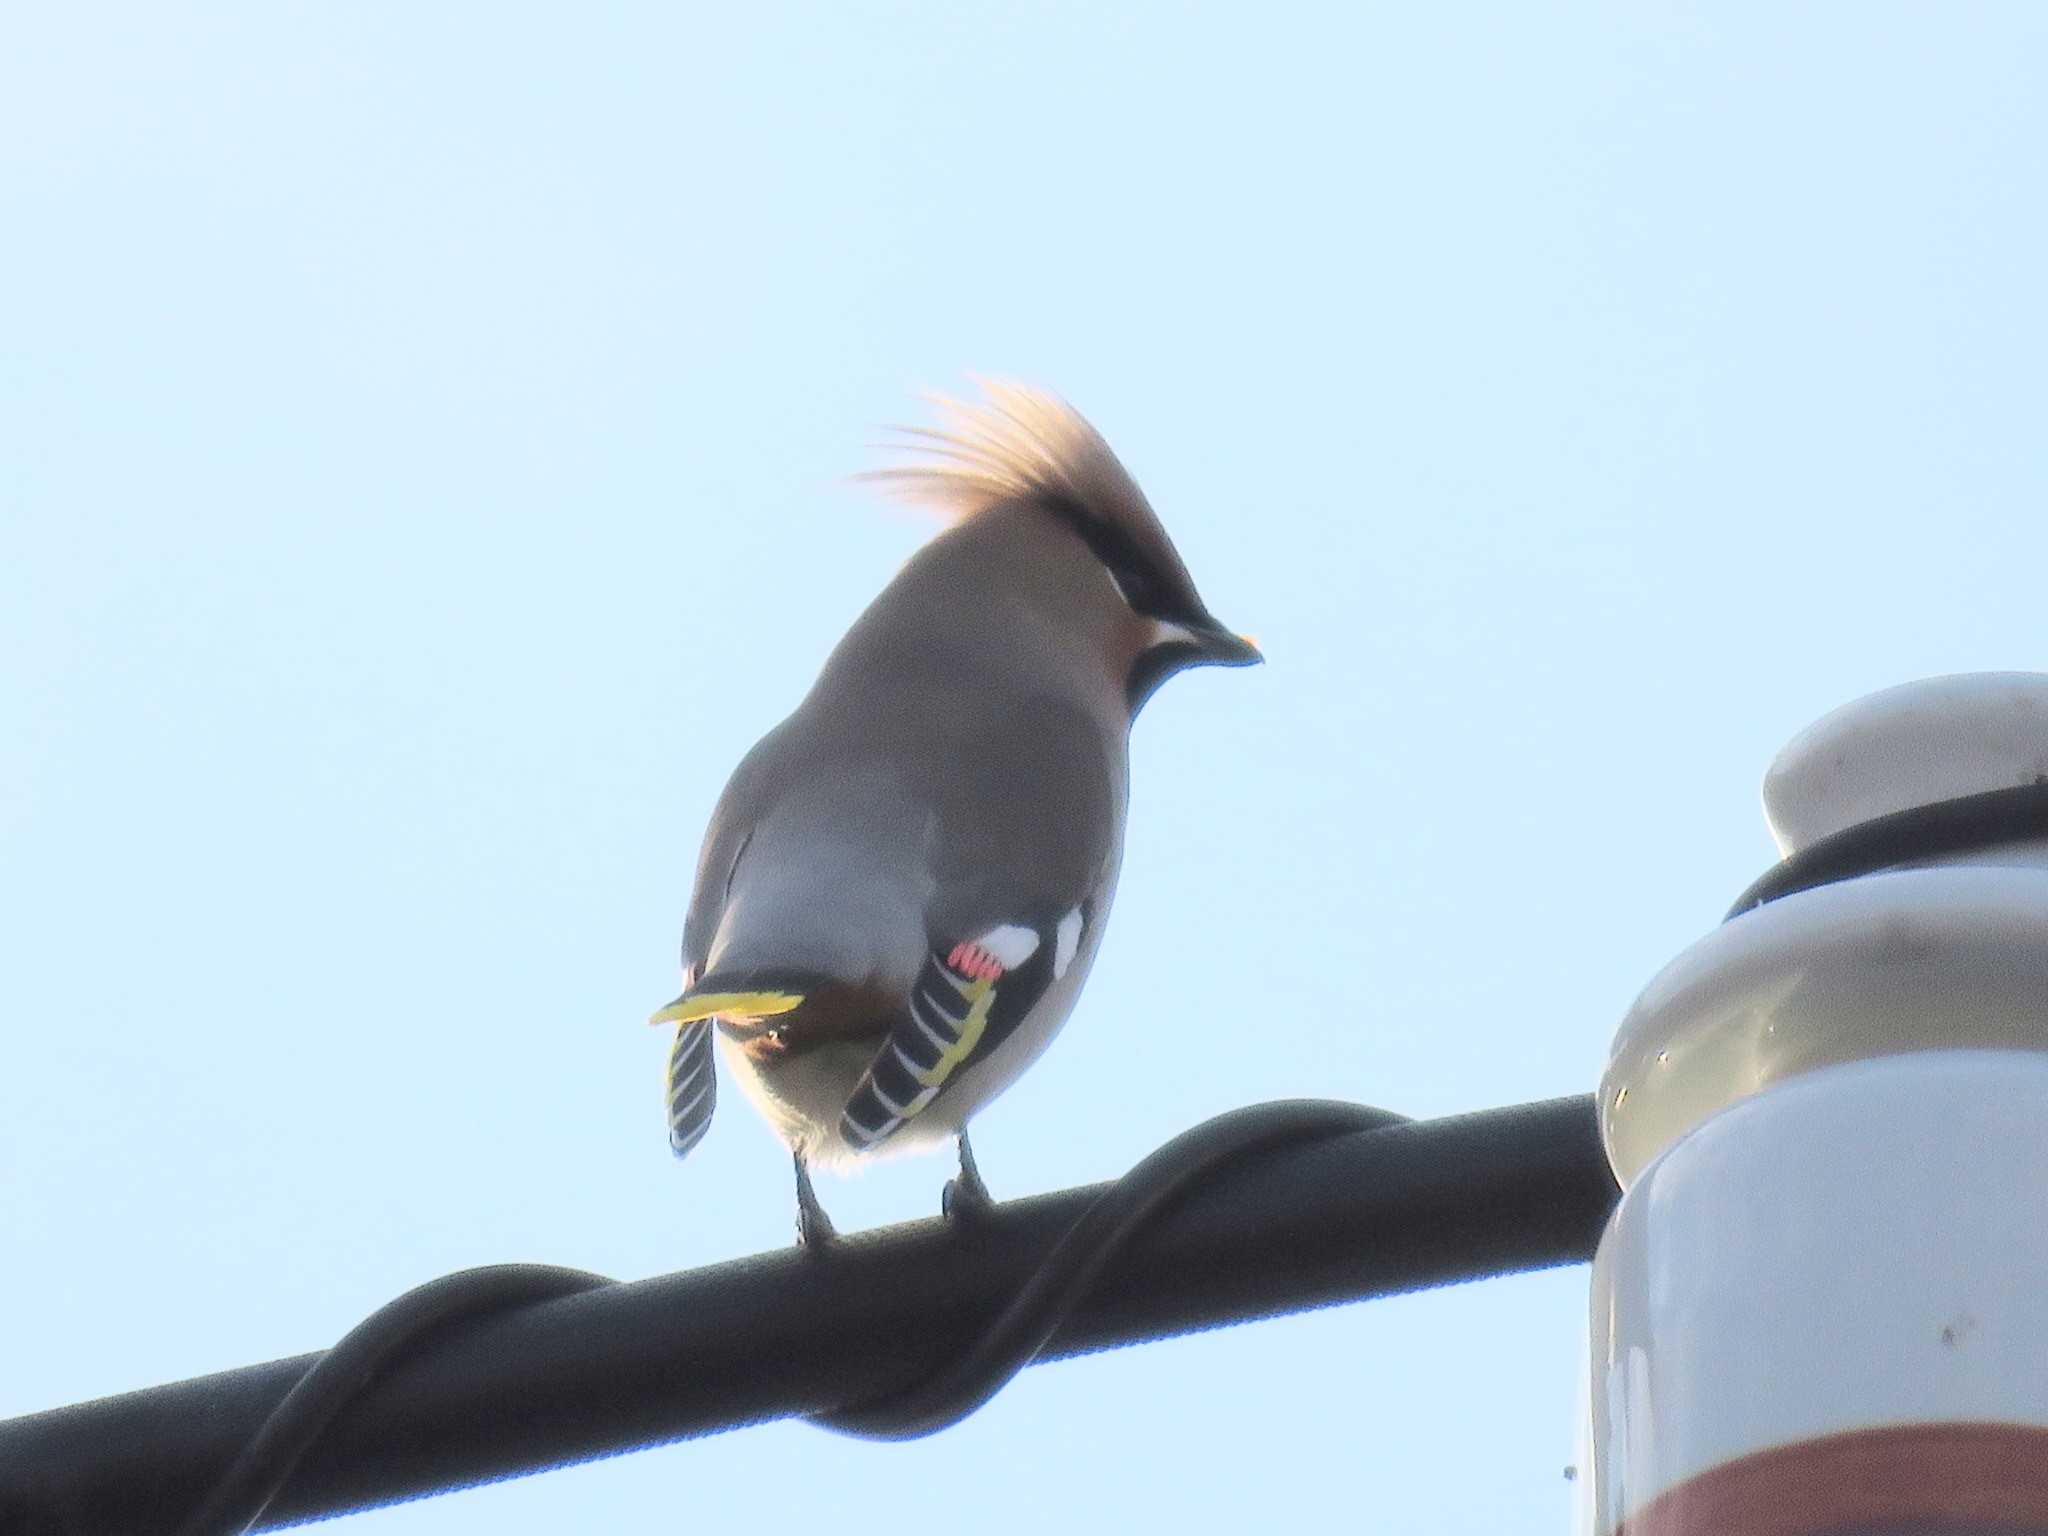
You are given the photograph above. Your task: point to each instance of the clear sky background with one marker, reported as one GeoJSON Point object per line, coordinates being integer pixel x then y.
{"type": "Point", "coordinates": [423, 441]}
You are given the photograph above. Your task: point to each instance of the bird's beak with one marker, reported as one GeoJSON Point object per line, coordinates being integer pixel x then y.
{"type": "Point", "coordinates": [1225, 649]}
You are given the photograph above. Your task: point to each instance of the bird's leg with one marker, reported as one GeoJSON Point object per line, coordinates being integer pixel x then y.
{"type": "Point", "coordinates": [965, 1197]}
{"type": "Point", "coordinates": [814, 1229]}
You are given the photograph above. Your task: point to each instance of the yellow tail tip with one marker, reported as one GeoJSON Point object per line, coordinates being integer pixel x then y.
{"type": "Point", "coordinates": [692, 1006]}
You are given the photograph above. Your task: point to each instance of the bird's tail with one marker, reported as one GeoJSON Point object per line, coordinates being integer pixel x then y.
{"type": "Point", "coordinates": [692, 1079]}
{"type": "Point", "coordinates": [710, 1000]}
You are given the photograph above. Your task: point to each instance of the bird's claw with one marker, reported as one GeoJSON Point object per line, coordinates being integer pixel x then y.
{"type": "Point", "coordinates": [965, 1199]}
{"type": "Point", "coordinates": [963, 1203]}
{"type": "Point", "coordinates": [814, 1230]}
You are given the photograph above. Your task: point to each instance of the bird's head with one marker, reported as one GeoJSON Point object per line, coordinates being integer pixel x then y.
{"type": "Point", "coordinates": [1083, 541]}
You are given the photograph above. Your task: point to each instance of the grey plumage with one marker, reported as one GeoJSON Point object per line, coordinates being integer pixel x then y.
{"type": "Point", "coordinates": [905, 882]}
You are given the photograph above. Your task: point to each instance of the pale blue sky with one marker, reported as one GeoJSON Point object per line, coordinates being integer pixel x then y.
{"type": "Point", "coordinates": [423, 434]}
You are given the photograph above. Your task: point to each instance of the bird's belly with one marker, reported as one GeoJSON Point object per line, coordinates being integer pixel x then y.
{"type": "Point", "coordinates": [801, 1097]}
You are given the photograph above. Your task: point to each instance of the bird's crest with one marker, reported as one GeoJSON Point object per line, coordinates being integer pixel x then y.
{"type": "Point", "coordinates": [1028, 446]}
{"type": "Point", "coordinates": [1022, 445]}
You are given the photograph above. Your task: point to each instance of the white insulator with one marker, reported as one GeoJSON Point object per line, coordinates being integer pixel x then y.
{"type": "Point", "coordinates": [1822, 1304]}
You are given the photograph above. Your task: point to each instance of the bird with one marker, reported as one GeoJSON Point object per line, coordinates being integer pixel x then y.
{"type": "Point", "coordinates": [904, 884]}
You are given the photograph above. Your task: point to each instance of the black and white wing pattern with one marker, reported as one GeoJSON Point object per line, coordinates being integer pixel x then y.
{"type": "Point", "coordinates": [692, 1086]}
{"type": "Point", "coordinates": [968, 998]}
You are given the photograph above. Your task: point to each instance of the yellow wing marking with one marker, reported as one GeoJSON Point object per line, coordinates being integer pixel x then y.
{"type": "Point", "coordinates": [980, 996]}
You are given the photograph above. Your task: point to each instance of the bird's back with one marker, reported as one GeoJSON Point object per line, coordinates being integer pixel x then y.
{"type": "Point", "coordinates": [946, 767]}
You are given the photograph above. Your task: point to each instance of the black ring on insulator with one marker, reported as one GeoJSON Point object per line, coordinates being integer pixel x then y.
{"type": "Point", "coordinates": [1967, 824]}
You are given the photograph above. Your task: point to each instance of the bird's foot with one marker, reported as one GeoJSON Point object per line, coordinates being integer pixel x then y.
{"type": "Point", "coordinates": [966, 1199]}
{"type": "Point", "coordinates": [965, 1203]}
{"type": "Point", "coordinates": [814, 1230]}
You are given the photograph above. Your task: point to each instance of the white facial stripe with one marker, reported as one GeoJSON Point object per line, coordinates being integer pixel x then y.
{"type": "Point", "coordinates": [1012, 944]}
{"type": "Point", "coordinates": [1166, 632]}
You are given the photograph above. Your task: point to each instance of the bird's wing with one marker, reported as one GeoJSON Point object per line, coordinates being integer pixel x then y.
{"type": "Point", "coordinates": [692, 1086]}
{"type": "Point", "coordinates": [969, 997]}
{"type": "Point", "coordinates": [692, 1077]}
{"type": "Point", "coordinates": [1027, 834]}
{"type": "Point", "coordinates": [733, 824]}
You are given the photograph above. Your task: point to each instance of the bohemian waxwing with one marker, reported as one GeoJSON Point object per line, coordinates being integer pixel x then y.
{"type": "Point", "coordinates": [905, 882]}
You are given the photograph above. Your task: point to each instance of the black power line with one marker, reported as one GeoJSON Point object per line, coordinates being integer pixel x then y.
{"type": "Point", "coordinates": [1294, 1208]}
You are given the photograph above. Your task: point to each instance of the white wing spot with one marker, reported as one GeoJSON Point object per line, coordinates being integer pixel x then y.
{"type": "Point", "coordinates": [1012, 944]}
{"type": "Point", "coordinates": [1066, 943]}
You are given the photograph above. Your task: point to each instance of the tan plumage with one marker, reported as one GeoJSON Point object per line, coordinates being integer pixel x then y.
{"type": "Point", "coordinates": [1023, 443]}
